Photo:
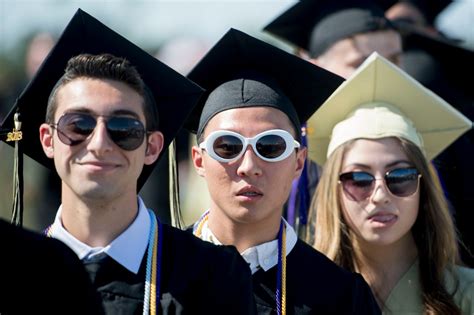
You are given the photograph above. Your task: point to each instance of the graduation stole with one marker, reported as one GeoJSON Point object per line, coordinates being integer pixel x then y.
{"type": "Point", "coordinates": [153, 265]}
{"type": "Point", "coordinates": [280, 295]}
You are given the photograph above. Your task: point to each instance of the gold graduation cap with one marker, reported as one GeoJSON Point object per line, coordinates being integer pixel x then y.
{"type": "Point", "coordinates": [380, 100]}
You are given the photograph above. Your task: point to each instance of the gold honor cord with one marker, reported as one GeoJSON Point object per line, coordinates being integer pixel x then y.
{"type": "Point", "coordinates": [281, 274]}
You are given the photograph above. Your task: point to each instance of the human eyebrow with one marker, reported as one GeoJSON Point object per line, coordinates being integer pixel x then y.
{"type": "Point", "coordinates": [124, 112]}
{"type": "Point", "coordinates": [397, 162]}
{"type": "Point", "coordinates": [80, 110]}
{"type": "Point", "coordinates": [353, 166]}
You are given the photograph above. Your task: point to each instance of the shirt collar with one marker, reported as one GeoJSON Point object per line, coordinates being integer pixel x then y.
{"type": "Point", "coordinates": [264, 255]}
{"type": "Point", "coordinates": [127, 249]}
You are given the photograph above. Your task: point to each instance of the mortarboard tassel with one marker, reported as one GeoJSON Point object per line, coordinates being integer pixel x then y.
{"type": "Point", "coordinates": [176, 218]}
{"type": "Point", "coordinates": [299, 195]}
{"type": "Point", "coordinates": [17, 207]}
{"type": "Point", "coordinates": [290, 213]}
{"type": "Point", "coordinates": [304, 196]}
{"type": "Point", "coordinates": [304, 182]}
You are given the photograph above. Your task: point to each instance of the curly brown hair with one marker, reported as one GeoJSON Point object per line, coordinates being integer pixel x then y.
{"type": "Point", "coordinates": [105, 66]}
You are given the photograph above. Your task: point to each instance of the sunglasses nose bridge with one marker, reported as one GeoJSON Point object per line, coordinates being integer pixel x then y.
{"type": "Point", "coordinates": [249, 149]}
{"type": "Point", "coordinates": [100, 139]}
{"type": "Point", "coordinates": [380, 191]}
{"type": "Point", "coordinates": [250, 144]}
{"type": "Point", "coordinates": [100, 127]}
{"type": "Point", "coordinates": [249, 164]}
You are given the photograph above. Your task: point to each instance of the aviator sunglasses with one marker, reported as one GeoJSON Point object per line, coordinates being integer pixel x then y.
{"type": "Point", "coordinates": [401, 182]}
{"type": "Point", "coordinates": [271, 145]}
{"type": "Point", "coordinates": [126, 132]}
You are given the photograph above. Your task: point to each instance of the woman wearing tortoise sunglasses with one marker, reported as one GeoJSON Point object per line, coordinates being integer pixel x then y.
{"type": "Point", "coordinates": [379, 208]}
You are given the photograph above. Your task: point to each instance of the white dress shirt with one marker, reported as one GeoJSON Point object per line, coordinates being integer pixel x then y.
{"type": "Point", "coordinates": [263, 256]}
{"type": "Point", "coordinates": [127, 249]}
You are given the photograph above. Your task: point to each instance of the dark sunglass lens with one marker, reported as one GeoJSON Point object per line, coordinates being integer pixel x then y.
{"type": "Point", "coordinates": [75, 128]}
{"type": "Point", "coordinates": [358, 185]}
{"type": "Point", "coordinates": [402, 182]}
{"type": "Point", "coordinates": [271, 146]}
{"type": "Point", "coordinates": [128, 133]}
{"type": "Point", "coordinates": [227, 147]}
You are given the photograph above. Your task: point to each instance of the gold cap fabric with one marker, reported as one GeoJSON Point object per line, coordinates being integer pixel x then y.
{"type": "Point", "coordinates": [380, 100]}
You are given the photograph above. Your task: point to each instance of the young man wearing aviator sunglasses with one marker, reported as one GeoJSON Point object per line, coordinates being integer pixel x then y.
{"type": "Point", "coordinates": [249, 152]}
{"type": "Point", "coordinates": [103, 135]}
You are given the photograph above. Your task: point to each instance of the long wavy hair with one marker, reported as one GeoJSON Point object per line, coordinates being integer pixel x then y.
{"type": "Point", "coordinates": [433, 231]}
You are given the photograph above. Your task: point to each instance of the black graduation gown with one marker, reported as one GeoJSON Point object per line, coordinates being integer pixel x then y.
{"type": "Point", "coordinates": [314, 285]}
{"type": "Point", "coordinates": [42, 276]}
{"type": "Point", "coordinates": [196, 278]}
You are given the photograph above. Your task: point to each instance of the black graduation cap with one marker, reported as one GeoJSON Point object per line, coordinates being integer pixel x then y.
{"type": "Point", "coordinates": [314, 25]}
{"type": "Point", "coordinates": [436, 60]}
{"type": "Point", "coordinates": [242, 71]}
{"type": "Point", "coordinates": [174, 95]}
{"type": "Point", "coordinates": [429, 8]}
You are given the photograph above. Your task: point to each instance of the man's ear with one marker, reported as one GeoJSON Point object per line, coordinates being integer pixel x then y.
{"type": "Point", "coordinates": [46, 134]}
{"type": "Point", "coordinates": [155, 142]}
{"type": "Point", "coordinates": [196, 154]}
{"type": "Point", "coordinates": [300, 159]}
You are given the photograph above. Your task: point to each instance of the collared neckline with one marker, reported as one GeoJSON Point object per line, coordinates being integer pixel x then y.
{"type": "Point", "coordinates": [127, 249]}
{"type": "Point", "coordinates": [264, 255]}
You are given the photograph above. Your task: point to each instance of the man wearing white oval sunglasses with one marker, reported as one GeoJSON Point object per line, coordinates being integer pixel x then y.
{"type": "Point", "coordinates": [249, 151]}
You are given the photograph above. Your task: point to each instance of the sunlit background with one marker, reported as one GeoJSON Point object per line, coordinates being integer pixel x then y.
{"type": "Point", "coordinates": [177, 32]}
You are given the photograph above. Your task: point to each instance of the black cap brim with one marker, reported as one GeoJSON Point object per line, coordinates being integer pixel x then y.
{"type": "Point", "coordinates": [314, 25]}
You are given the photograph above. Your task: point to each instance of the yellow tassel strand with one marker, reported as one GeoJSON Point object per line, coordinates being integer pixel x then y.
{"type": "Point", "coordinates": [153, 276]}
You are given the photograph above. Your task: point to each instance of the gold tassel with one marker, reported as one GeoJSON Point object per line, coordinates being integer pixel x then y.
{"type": "Point", "coordinates": [17, 207]}
{"type": "Point", "coordinates": [175, 208]}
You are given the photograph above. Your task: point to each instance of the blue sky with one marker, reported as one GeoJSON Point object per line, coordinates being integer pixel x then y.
{"type": "Point", "coordinates": [143, 21]}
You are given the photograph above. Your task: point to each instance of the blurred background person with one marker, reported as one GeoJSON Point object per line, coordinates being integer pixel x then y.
{"type": "Point", "coordinates": [338, 35]}
{"type": "Point", "coordinates": [37, 50]}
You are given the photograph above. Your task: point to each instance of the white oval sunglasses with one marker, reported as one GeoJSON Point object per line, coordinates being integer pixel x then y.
{"type": "Point", "coordinates": [271, 146]}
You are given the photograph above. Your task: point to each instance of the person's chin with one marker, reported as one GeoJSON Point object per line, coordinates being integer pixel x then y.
{"type": "Point", "coordinates": [250, 213]}
{"type": "Point", "coordinates": [383, 238]}
{"type": "Point", "coordinates": [96, 191]}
